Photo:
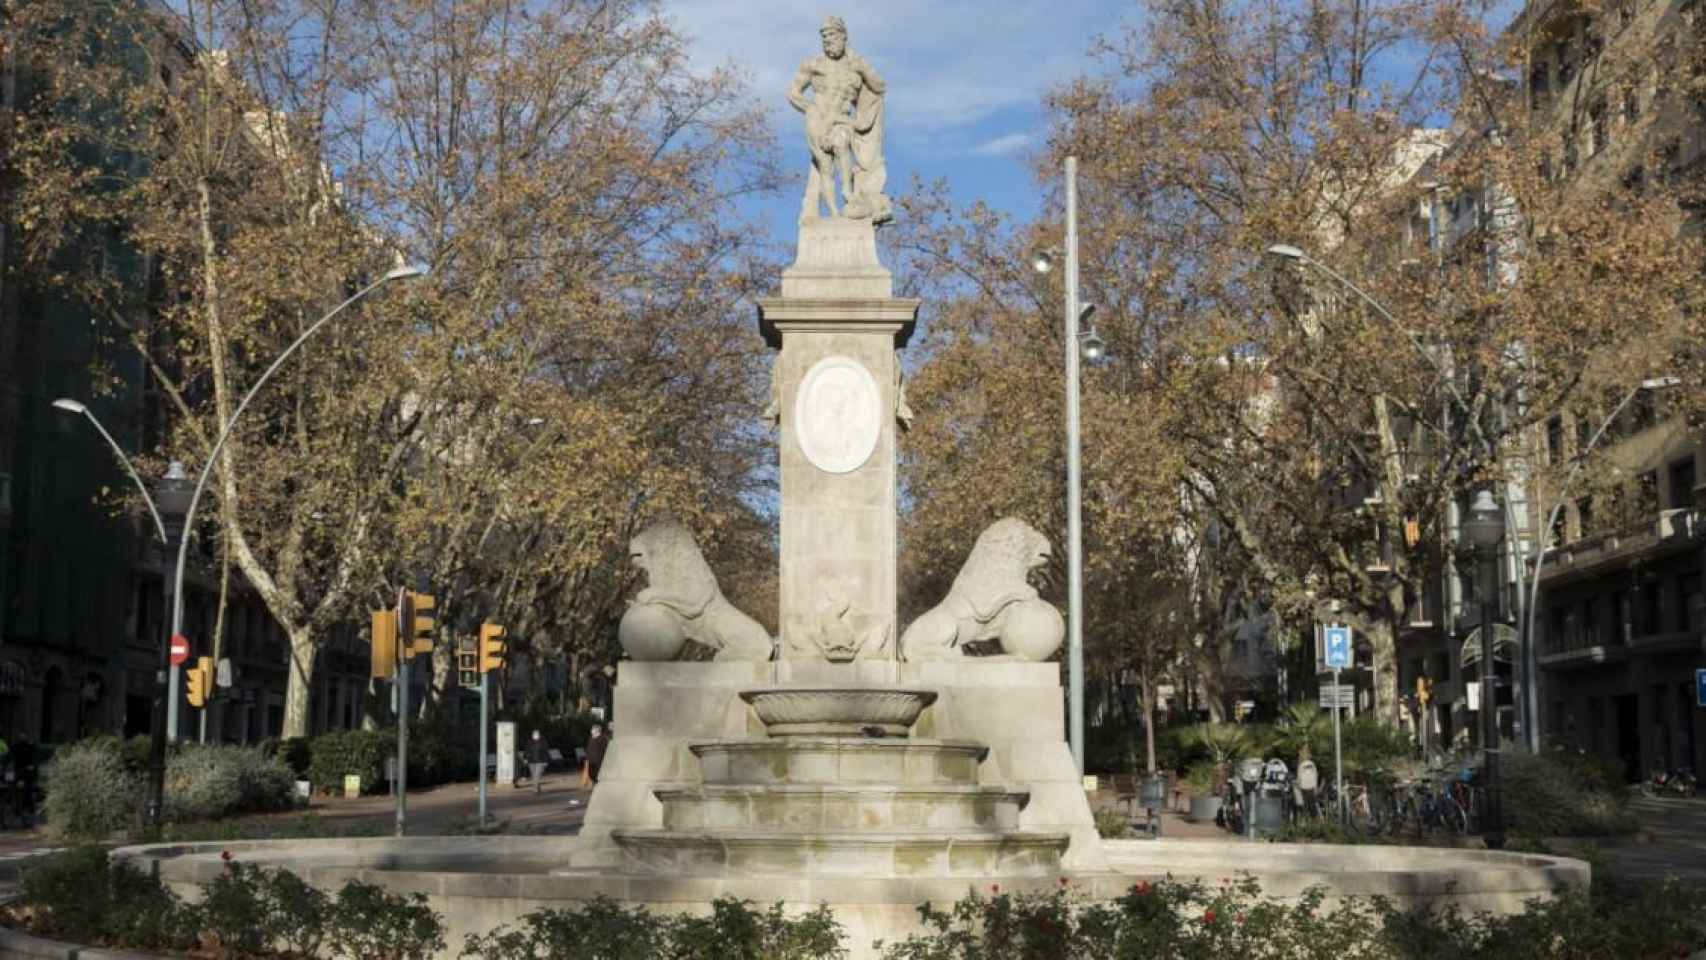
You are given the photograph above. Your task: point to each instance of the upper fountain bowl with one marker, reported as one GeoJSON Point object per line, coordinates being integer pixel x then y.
{"type": "Point", "coordinates": [838, 712]}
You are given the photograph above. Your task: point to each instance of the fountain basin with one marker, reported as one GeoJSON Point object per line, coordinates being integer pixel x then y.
{"type": "Point", "coordinates": [478, 883]}
{"type": "Point", "coordinates": [838, 712]}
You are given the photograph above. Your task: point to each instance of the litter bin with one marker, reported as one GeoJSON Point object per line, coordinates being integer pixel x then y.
{"type": "Point", "coordinates": [1267, 814]}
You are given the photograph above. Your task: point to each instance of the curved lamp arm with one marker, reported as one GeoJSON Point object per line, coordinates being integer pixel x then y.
{"type": "Point", "coordinates": [401, 273]}
{"type": "Point", "coordinates": [72, 406]}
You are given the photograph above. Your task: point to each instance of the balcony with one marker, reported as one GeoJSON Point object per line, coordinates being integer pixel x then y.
{"type": "Point", "coordinates": [1581, 647]}
{"type": "Point", "coordinates": [1671, 531]}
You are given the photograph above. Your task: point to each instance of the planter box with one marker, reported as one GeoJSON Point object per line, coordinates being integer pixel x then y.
{"type": "Point", "coordinates": [1204, 809]}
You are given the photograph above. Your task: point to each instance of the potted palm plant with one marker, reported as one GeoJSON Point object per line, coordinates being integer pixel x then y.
{"type": "Point", "coordinates": [1223, 741]}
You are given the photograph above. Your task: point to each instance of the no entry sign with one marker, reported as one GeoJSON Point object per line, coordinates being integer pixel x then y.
{"type": "Point", "coordinates": [180, 649]}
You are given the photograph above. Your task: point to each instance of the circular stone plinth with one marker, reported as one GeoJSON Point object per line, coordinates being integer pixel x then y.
{"type": "Point", "coordinates": [838, 712]}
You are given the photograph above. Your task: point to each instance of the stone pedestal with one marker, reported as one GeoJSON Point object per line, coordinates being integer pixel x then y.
{"type": "Point", "coordinates": [836, 392]}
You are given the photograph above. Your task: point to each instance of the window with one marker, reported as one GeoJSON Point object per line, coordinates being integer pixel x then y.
{"type": "Point", "coordinates": [1539, 84]}
{"type": "Point", "coordinates": [1631, 106]}
{"type": "Point", "coordinates": [1653, 599]}
{"type": "Point", "coordinates": [1570, 156]}
{"type": "Point", "coordinates": [1585, 516]}
{"type": "Point", "coordinates": [1687, 588]}
{"type": "Point", "coordinates": [1555, 440]}
{"type": "Point", "coordinates": [1600, 129]}
{"type": "Point", "coordinates": [1620, 626]}
{"type": "Point", "coordinates": [1682, 484]}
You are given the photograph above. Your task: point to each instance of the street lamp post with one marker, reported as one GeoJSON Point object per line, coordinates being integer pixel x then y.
{"type": "Point", "coordinates": [172, 495]}
{"type": "Point", "coordinates": [67, 405]}
{"type": "Point", "coordinates": [400, 273]}
{"type": "Point", "coordinates": [168, 497]}
{"type": "Point", "coordinates": [1484, 531]}
{"type": "Point", "coordinates": [1091, 346]}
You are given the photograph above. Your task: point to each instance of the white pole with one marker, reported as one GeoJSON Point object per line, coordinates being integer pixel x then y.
{"type": "Point", "coordinates": [1074, 506]}
{"type": "Point", "coordinates": [485, 688]}
{"type": "Point", "coordinates": [1338, 750]}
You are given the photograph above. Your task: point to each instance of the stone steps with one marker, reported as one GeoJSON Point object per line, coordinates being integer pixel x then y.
{"type": "Point", "coordinates": [890, 853]}
{"type": "Point", "coordinates": [802, 808]}
{"type": "Point", "coordinates": [838, 760]}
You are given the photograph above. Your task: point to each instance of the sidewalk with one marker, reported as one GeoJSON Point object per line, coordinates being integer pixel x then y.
{"type": "Point", "coordinates": [435, 811]}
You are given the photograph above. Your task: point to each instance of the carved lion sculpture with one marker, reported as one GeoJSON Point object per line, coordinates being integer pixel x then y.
{"type": "Point", "coordinates": [683, 602]}
{"type": "Point", "coordinates": [991, 600]}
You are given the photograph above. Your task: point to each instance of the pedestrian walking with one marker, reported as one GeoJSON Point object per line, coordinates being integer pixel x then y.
{"type": "Point", "coordinates": [595, 747]}
{"type": "Point", "coordinates": [538, 756]}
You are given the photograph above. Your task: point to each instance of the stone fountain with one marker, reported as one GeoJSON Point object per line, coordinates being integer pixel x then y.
{"type": "Point", "coordinates": [844, 761]}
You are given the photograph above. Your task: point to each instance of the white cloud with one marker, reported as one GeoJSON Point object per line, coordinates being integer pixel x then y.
{"type": "Point", "coordinates": [1003, 145]}
{"type": "Point", "coordinates": [948, 63]}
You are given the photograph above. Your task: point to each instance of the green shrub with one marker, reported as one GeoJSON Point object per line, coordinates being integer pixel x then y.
{"type": "Point", "coordinates": [1202, 779]}
{"type": "Point", "coordinates": [1544, 795]}
{"type": "Point", "coordinates": [335, 755]}
{"type": "Point", "coordinates": [1595, 772]}
{"type": "Point", "coordinates": [1180, 748]}
{"type": "Point", "coordinates": [1369, 745]}
{"type": "Point", "coordinates": [210, 781]}
{"type": "Point", "coordinates": [81, 895]}
{"type": "Point", "coordinates": [90, 792]}
{"type": "Point", "coordinates": [295, 752]}
{"type": "Point", "coordinates": [1111, 824]}
{"type": "Point", "coordinates": [365, 921]}
{"type": "Point", "coordinates": [1192, 921]}
{"type": "Point", "coordinates": [608, 930]}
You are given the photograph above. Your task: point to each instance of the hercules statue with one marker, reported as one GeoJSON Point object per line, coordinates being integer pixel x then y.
{"type": "Point", "coordinates": [844, 130]}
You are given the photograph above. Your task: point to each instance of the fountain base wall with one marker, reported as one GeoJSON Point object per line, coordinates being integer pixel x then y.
{"type": "Point", "coordinates": [662, 710]}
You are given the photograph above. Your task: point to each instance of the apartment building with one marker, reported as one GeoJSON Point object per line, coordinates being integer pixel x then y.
{"type": "Point", "coordinates": [81, 600]}
{"type": "Point", "coordinates": [1620, 624]}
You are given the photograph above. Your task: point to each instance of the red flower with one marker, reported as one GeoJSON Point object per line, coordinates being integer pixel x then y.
{"type": "Point", "coordinates": [995, 888]}
{"type": "Point", "coordinates": [1239, 918]}
{"type": "Point", "coordinates": [1064, 881]}
{"type": "Point", "coordinates": [225, 855]}
{"type": "Point", "coordinates": [1141, 888]}
{"type": "Point", "coordinates": [1208, 916]}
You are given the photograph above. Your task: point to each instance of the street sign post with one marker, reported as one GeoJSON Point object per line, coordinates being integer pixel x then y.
{"type": "Point", "coordinates": [180, 649]}
{"type": "Point", "coordinates": [1337, 695]}
{"type": "Point", "coordinates": [1338, 757]}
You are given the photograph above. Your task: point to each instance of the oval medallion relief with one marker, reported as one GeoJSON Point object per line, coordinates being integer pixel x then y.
{"type": "Point", "coordinates": [838, 414]}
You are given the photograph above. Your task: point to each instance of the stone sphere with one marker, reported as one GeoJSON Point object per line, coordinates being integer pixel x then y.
{"type": "Point", "coordinates": [1034, 630]}
{"type": "Point", "coordinates": [650, 631]}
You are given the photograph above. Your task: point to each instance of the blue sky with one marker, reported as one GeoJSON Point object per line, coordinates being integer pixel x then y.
{"type": "Point", "coordinates": [966, 80]}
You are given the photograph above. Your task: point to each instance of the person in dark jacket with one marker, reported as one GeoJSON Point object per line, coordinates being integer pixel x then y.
{"type": "Point", "coordinates": [595, 747]}
{"type": "Point", "coordinates": [538, 756]}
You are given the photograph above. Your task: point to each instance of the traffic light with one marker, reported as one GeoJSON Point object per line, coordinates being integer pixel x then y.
{"type": "Point", "coordinates": [198, 681]}
{"type": "Point", "coordinates": [468, 661]}
{"type": "Point", "coordinates": [418, 623]}
{"type": "Point", "coordinates": [492, 647]}
{"type": "Point", "coordinates": [384, 644]}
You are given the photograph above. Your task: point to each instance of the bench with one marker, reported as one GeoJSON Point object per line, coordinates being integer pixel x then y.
{"type": "Point", "coordinates": [1126, 792]}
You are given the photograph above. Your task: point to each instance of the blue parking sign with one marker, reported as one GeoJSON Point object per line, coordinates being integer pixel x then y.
{"type": "Point", "coordinates": [1338, 643]}
{"type": "Point", "coordinates": [1700, 688]}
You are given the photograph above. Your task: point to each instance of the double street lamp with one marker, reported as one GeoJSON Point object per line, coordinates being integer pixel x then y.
{"type": "Point", "coordinates": [177, 500]}
{"type": "Point", "coordinates": [1484, 531]}
{"type": "Point", "coordinates": [1091, 347]}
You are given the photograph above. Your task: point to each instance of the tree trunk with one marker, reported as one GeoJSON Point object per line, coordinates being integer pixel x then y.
{"type": "Point", "coordinates": [1386, 705]}
{"type": "Point", "coordinates": [299, 682]}
{"type": "Point", "coordinates": [1148, 692]}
